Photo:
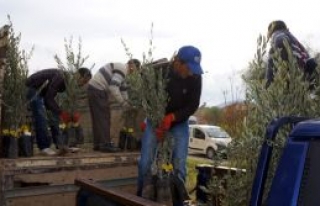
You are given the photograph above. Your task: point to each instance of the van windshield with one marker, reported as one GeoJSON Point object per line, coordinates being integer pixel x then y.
{"type": "Point", "coordinates": [217, 132]}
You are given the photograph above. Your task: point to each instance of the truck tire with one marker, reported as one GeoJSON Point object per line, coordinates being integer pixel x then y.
{"type": "Point", "coordinates": [210, 153]}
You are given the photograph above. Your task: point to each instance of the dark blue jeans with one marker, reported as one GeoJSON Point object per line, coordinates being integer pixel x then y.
{"type": "Point", "coordinates": [40, 120]}
{"type": "Point", "coordinates": [58, 138]}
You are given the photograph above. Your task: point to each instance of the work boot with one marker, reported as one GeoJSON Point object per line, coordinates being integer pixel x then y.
{"type": "Point", "coordinates": [109, 147]}
{"type": "Point", "coordinates": [96, 148]}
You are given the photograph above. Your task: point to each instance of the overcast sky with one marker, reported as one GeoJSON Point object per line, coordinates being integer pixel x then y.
{"type": "Point", "coordinates": [225, 31]}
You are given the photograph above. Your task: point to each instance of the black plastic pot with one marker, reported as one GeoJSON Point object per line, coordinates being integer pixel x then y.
{"type": "Point", "coordinates": [10, 146]}
{"type": "Point", "coordinates": [127, 141]}
{"type": "Point", "coordinates": [25, 143]}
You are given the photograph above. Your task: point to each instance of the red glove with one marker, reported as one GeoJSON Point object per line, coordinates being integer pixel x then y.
{"type": "Point", "coordinates": [64, 117]}
{"type": "Point", "coordinates": [160, 134]}
{"type": "Point", "coordinates": [143, 126]}
{"type": "Point", "coordinates": [167, 121]}
{"type": "Point", "coordinates": [76, 117]}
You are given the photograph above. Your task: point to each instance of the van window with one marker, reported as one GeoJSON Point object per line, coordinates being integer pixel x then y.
{"type": "Point", "coordinates": [217, 133]}
{"type": "Point", "coordinates": [193, 120]}
{"type": "Point", "coordinates": [198, 134]}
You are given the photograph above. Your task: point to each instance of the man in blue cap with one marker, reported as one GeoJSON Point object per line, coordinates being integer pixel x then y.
{"type": "Point", "coordinates": [184, 91]}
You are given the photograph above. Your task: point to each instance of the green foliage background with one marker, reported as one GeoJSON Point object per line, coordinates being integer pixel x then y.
{"type": "Point", "coordinates": [14, 90]}
{"type": "Point", "coordinates": [70, 100]}
{"type": "Point", "coordinates": [147, 85]}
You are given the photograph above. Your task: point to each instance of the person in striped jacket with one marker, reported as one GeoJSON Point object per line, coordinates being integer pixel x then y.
{"type": "Point", "coordinates": [107, 87]}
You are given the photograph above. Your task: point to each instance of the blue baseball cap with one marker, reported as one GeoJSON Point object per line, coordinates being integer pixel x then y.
{"type": "Point", "coordinates": [192, 57]}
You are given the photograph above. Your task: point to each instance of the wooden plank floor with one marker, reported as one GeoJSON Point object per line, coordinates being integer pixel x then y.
{"type": "Point", "coordinates": [41, 176]}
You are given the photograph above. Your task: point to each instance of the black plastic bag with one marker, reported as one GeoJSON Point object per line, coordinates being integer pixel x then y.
{"type": "Point", "coordinates": [10, 146]}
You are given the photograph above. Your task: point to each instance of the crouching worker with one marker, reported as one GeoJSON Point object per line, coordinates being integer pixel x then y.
{"type": "Point", "coordinates": [43, 87]}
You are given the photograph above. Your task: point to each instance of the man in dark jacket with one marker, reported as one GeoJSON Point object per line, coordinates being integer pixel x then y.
{"type": "Point", "coordinates": [184, 90]}
{"type": "Point", "coordinates": [278, 33]}
{"type": "Point", "coordinates": [43, 87]}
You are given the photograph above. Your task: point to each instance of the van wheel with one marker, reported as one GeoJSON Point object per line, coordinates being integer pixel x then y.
{"type": "Point", "coordinates": [210, 153]}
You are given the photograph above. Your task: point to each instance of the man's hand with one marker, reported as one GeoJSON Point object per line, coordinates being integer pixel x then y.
{"type": "Point", "coordinates": [167, 121]}
{"type": "Point", "coordinates": [64, 117]}
{"type": "Point", "coordinates": [76, 117]}
{"type": "Point", "coordinates": [143, 126]}
{"type": "Point", "coordinates": [160, 134]}
{"type": "Point", "coordinates": [164, 126]}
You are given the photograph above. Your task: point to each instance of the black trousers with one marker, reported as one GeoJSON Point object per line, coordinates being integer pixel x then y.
{"type": "Point", "coordinates": [100, 116]}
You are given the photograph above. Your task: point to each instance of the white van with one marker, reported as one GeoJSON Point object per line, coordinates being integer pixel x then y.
{"type": "Point", "coordinates": [207, 139]}
{"type": "Point", "coordinates": [193, 120]}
